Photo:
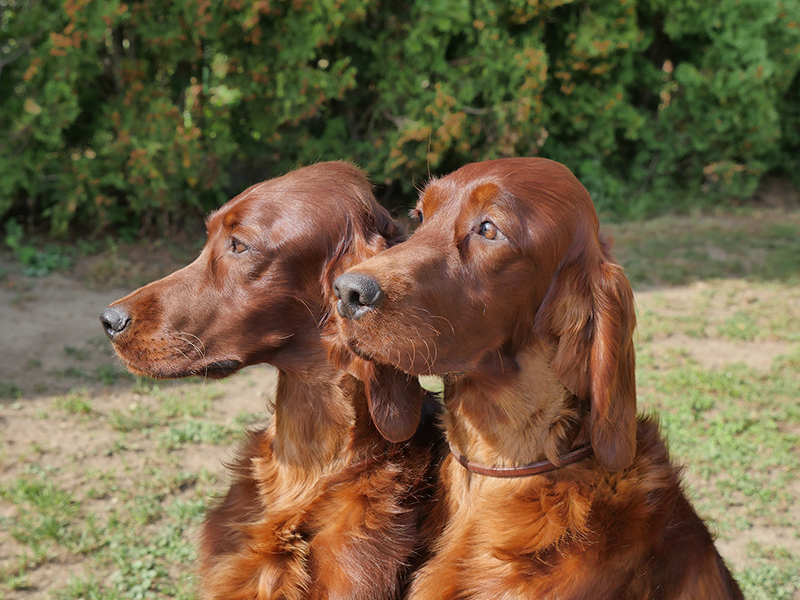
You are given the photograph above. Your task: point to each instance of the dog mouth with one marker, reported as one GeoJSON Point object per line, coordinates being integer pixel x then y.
{"type": "Point", "coordinates": [218, 369]}
{"type": "Point", "coordinates": [173, 359]}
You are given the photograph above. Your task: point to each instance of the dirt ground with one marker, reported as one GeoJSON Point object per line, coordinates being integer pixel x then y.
{"type": "Point", "coordinates": [51, 343]}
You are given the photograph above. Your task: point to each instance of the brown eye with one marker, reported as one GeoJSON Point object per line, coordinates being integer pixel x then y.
{"type": "Point", "coordinates": [416, 215]}
{"type": "Point", "coordinates": [237, 245]}
{"type": "Point", "coordinates": [490, 231]}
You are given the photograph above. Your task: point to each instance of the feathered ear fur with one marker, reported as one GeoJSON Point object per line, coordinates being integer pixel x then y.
{"type": "Point", "coordinates": [363, 237]}
{"type": "Point", "coordinates": [589, 311]}
{"type": "Point", "coordinates": [395, 402]}
{"type": "Point", "coordinates": [394, 398]}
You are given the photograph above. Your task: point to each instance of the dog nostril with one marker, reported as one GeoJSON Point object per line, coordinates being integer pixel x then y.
{"type": "Point", "coordinates": [370, 293]}
{"type": "Point", "coordinates": [354, 298]}
{"type": "Point", "coordinates": [356, 293]}
{"type": "Point", "coordinates": [114, 319]}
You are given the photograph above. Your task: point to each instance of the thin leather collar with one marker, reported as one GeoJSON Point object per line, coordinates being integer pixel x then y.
{"type": "Point", "coordinates": [543, 466]}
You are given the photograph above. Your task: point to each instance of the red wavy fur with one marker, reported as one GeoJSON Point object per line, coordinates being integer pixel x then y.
{"type": "Point", "coordinates": [321, 505]}
{"type": "Point", "coordinates": [508, 291]}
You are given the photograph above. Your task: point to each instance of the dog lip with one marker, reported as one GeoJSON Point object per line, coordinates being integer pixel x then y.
{"type": "Point", "coordinates": [220, 367]}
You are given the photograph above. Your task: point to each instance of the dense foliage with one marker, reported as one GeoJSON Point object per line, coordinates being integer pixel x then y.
{"type": "Point", "coordinates": [116, 114]}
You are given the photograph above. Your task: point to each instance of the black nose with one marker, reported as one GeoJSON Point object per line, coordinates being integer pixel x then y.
{"type": "Point", "coordinates": [357, 294]}
{"type": "Point", "coordinates": [114, 319]}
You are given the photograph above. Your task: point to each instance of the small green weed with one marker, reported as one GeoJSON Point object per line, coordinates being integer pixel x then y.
{"type": "Point", "coordinates": [70, 372]}
{"type": "Point", "coordinates": [111, 374]}
{"type": "Point", "coordinates": [18, 579]}
{"type": "Point", "coordinates": [160, 407]}
{"type": "Point", "coordinates": [245, 418]}
{"type": "Point", "coordinates": [775, 575]}
{"type": "Point", "coordinates": [76, 402]}
{"type": "Point", "coordinates": [741, 326]}
{"type": "Point", "coordinates": [136, 418]}
{"type": "Point", "coordinates": [44, 511]}
{"type": "Point", "coordinates": [195, 432]}
{"type": "Point", "coordinates": [10, 391]}
{"type": "Point", "coordinates": [81, 588]}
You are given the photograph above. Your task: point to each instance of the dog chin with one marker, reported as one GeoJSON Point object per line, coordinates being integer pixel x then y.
{"type": "Point", "coordinates": [215, 370]}
{"type": "Point", "coordinates": [380, 359]}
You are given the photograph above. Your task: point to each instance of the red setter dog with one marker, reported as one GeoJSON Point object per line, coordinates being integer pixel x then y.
{"type": "Point", "coordinates": [553, 487]}
{"type": "Point", "coordinates": [322, 505]}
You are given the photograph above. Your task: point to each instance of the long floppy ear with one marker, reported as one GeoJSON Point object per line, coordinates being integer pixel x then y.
{"type": "Point", "coordinates": [395, 402]}
{"type": "Point", "coordinates": [394, 398]}
{"type": "Point", "coordinates": [589, 310]}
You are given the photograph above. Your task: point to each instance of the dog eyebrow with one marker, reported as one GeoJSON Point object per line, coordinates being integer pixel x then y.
{"type": "Point", "coordinates": [432, 197]}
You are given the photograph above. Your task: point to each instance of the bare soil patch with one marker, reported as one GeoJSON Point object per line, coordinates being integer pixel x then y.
{"type": "Point", "coordinates": [714, 353]}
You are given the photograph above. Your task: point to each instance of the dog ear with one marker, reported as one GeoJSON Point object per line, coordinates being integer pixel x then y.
{"type": "Point", "coordinates": [589, 310]}
{"type": "Point", "coordinates": [394, 398]}
{"type": "Point", "coordinates": [395, 402]}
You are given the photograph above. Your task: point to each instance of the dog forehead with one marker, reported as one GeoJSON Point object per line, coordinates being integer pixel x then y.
{"type": "Point", "coordinates": [451, 196]}
{"type": "Point", "coordinates": [433, 196]}
{"type": "Point", "coordinates": [249, 209]}
{"type": "Point", "coordinates": [483, 194]}
{"type": "Point", "coordinates": [264, 205]}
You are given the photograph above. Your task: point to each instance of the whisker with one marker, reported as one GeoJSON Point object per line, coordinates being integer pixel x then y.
{"type": "Point", "coordinates": [201, 350]}
{"type": "Point", "coordinates": [321, 321]}
{"type": "Point", "coordinates": [433, 316]}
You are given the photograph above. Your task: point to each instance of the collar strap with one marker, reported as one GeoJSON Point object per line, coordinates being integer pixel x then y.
{"type": "Point", "coordinates": [543, 466]}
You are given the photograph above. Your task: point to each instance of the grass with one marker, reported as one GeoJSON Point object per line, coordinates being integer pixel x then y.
{"type": "Point", "coordinates": [105, 374]}
{"type": "Point", "coordinates": [159, 408]}
{"type": "Point", "coordinates": [670, 250]}
{"type": "Point", "coordinates": [196, 431]}
{"type": "Point", "coordinates": [138, 545]}
{"type": "Point", "coordinates": [737, 431]}
{"type": "Point", "coordinates": [775, 576]}
{"type": "Point", "coordinates": [37, 262]}
{"type": "Point", "coordinates": [77, 402]}
{"type": "Point", "coordinates": [119, 514]}
{"type": "Point", "coordinates": [44, 515]}
{"type": "Point", "coordinates": [742, 310]}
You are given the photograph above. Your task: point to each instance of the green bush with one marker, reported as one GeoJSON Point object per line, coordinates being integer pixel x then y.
{"type": "Point", "coordinates": [138, 115]}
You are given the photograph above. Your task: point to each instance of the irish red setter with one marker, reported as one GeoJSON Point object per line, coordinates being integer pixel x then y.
{"type": "Point", "coordinates": [322, 505]}
{"type": "Point", "coordinates": [553, 487]}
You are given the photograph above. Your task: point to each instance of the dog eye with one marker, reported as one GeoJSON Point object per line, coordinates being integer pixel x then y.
{"type": "Point", "coordinates": [490, 231]}
{"type": "Point", "coordinates": [416, 215]}
{"type": "Point", "coordinates": [238, 246]}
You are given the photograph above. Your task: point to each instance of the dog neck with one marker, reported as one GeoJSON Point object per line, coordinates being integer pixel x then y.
{"type": "Point", "coordinates": [322, 423]}
{"type": "Point", "coordinates": [512, 417]}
